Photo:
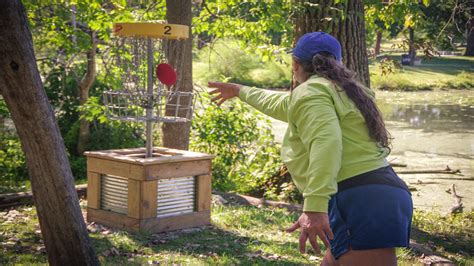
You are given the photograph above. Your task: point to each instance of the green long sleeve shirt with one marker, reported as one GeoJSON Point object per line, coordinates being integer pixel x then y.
{"type": "Point", "coordinates": [327, 140]}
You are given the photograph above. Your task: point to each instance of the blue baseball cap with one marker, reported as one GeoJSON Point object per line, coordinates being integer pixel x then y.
{"type": "Point", "coordinates": [315, 42]}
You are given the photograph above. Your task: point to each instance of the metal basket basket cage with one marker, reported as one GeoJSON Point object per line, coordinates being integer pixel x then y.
{"type": "Point", "coordinates": [164, 106]}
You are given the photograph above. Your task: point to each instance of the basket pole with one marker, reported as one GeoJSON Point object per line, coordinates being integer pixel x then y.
{"type": "Point", "coordinates": [149, 106]}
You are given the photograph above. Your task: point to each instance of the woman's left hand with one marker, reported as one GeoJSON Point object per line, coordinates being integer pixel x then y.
{"type": "Point", "coordinates": [313, 225]}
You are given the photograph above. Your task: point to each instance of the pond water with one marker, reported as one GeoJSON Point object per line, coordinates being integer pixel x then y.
{"type": "Point", "coordinates": [431, 130]}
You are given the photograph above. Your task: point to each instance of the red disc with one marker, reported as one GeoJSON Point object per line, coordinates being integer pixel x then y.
{"type": "Point", "coordinates": [166, 74]}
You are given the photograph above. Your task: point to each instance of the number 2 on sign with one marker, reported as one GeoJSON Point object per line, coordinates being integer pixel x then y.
{"type": "Point", "coordinates": [167, 30]}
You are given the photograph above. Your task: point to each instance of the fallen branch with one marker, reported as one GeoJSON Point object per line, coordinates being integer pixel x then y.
{"type": "Point", "coordinates": [398, 165]}
{"type": "Point", "coordinates": [445, 171]}
{"type": "Point", "coordinates": [257, 202]}
{"type": "Point", "coordinates": [457, 205]}
{"type": "Point", "coordinates": [427, 255]}
{"type": "Point", "coordinates": [24, 198]}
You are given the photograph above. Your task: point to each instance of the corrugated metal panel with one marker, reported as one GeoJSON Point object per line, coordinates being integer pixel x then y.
{"type": "Point", "coordinates": [176, 196]}
{"type": "Point", "coordinates": [114, 194]}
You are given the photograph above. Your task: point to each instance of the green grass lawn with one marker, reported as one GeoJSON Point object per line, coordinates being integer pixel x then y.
{"type": "Point", "coordinates": [438, 72]}
{"type": "Point", "coordinates": [239, 235]}
{"type": "Point", "coordinates": [446, 72]}
{"type": "Point", "coordinates": [435, 69]}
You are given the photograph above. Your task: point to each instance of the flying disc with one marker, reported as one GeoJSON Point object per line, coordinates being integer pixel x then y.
{"type": "Point", "coordinates": [166, 74]}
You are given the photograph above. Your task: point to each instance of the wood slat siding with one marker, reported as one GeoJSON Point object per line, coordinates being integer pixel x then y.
{"type": "Point", "coordinates": [195, 219]}
{"type": "Point", "coordinates": [93, 190]}
{"type": "Point", "coordinates": [130, 224]}
{"type": "Point", "coordinates": [112, 219]}
{"type": "Point", "coordinates": [149, 192]}
{"type": "Point", "coordinates": [116, 168]}
{"type": "Point", "coordinates": [178, 169]}
{"type": "Point", "coordinates": [203, 197]}
{"type": "Point", "coordinates": [134, 198]}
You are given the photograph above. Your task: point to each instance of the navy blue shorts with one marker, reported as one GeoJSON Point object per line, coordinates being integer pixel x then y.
{"type": "Point", "coordinates": [366, 214]}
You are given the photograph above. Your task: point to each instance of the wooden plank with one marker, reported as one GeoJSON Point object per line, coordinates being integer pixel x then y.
{"type": "Point", "coordinates": [258, 202]}
{"type": "Point", "coordinates": [134, 198]}
{"type": "Point", "coordinates": [9, 200]}
{"type": "Point", "coordinates": [195, 219]}
{"type": "Point", "coordinates": [115, 220]}
{"type": "Point", "coordinates": [149, 192]}
{"type": "Point", "coordinates": [172, 155]}
{"type": "Point", "coordinates": [110, 167]}
{"type": "Point", "coordinates": [203, 190]}
{"type": "Point", "coordinates": [191, 156]}
{"type": "Point", "coordinates": [178, 169]}
{"type": "Point", "coordinates": [93, 190]}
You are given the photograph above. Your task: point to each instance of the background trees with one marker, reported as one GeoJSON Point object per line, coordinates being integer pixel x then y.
{"type": "Point", "coordinates": [449, 24]}
{"type": "Point", "coordinates": [179, 12]}
{"type": "Point", "coordinates": [345, 21]}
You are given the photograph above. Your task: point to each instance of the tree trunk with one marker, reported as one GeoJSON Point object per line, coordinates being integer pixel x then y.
{"type": "Point", "coordinates": [378, 42]}
{"type": "Point", "coordinates": [411, 44]}
{"type": "Point", "coordinates": [179, 54]}
{"type": "Point", "coordinates": [84, 87]}
{"type": "Point", "coordinates": [320, 15]}
{"type": "Point", "coordinates": [470, 35]}
{"type": "Point", "coordinates": [62, 225]}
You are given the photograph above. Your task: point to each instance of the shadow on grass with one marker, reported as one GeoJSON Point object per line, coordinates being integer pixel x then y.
{"type": "Point", "coordinates": [444, 235]}
{"type": "Point", "coordinates": [452, 243]}
{"type": "Point", "coordinates": [202, 245]}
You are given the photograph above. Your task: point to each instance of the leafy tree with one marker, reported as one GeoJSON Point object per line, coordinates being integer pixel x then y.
{"type": "Point", "coordinates": [448, 23]}
{"type": "Point", "coordinates": [393, 14]}
{"type": "Point", "coordinates": [262, 27]}
{"type": "Point", "coordinates": [345, 21]}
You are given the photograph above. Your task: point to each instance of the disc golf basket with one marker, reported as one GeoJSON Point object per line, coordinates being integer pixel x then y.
{"type": "Point", "coordinates": [154, 189]}
{"type": "Point", "coordinates": [150, 89]}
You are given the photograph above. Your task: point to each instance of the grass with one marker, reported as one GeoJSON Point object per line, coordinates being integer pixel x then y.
{"type": "Point", "coordinates": [239, 235]}
{"type": "Point", "coordinates": [451, 236]}
{"type": "Point", "coordinates": [447, 72]}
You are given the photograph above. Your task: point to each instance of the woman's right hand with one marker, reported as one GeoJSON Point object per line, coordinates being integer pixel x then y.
{"type": "Point", "coordinates": [224, 91]}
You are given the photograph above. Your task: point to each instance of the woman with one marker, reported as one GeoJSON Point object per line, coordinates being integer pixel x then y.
{"type": "Point", "coordinates": [335, 149]}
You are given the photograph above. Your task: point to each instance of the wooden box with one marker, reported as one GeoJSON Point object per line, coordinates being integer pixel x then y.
{"type": "Point", "coordinates": [169, 191]}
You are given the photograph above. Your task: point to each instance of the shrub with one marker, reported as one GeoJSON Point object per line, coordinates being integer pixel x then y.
{"type": "Point", "coordinates": [13, 171]}
{"type": "Point", "coordinates": [463, 81]}
{"type": "Point", "coordinates": [227, 59]}
{"type": "Point", "coordinates": [394, 82]}
{"type": "Point", "coordinates": [388, 66]}
{"type": "Point", "coordinates": [105, 134]}
{"type": "Point", "coordinates": [242, 140]}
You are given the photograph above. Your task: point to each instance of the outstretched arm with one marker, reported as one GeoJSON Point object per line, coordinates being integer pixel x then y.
{"type": "Point", "coordinates": [274, 104]}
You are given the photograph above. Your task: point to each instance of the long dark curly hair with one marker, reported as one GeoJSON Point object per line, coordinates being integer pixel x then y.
{"type": "Point", "coordinates": [325, 65]}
